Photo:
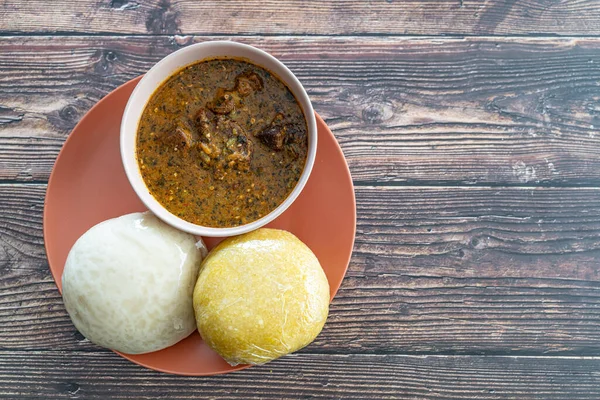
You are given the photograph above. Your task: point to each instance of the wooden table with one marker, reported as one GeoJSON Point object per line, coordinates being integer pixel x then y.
{"type": "Point", "coordinates": [472, 130]}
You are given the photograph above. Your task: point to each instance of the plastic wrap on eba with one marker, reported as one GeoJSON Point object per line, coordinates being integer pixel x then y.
{"type": "Point", "coordinates": [260, 296]}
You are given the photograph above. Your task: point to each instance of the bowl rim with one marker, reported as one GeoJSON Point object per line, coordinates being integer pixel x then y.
{"type": "Point", "coordinates": [129, 159]}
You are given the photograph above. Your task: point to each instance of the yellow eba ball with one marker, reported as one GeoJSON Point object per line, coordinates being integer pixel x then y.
{"type": "Point", "coordinates": [260, 296]}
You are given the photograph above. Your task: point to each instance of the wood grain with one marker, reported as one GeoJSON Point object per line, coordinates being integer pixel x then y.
{"type": "Point", "coordinates": [341, 17]}
{"type": "Point", "coordinates": [406, 111]}
{"type": "Point", "coordinates": [477, 164]}
{"type": "Point", "coordinates": [103, 375]}
{"type": "Point", "coordinates": [436, 270]}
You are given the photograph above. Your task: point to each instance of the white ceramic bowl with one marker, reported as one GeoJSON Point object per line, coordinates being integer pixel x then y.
{"type": "Point", "coordinates": [160, 73]}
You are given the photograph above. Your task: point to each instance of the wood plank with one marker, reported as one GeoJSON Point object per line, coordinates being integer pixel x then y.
{"type": "Point", "coordinates": [435, 270]}
{"type": "Point", "coordinates": [406, 111]}
{"type": "Point", "coordinates": [342, 17]}
{"type": "Point", "coordinates": [68, 375]}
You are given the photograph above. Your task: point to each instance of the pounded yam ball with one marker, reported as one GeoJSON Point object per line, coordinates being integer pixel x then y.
{"type": "Point", "coordinates": [128, 282]}
{"type": "Point", "coordinates": [260, 296]}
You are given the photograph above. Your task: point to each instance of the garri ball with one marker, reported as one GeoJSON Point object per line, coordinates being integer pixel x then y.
{"type": "Point", "coordinates": [260, 296]}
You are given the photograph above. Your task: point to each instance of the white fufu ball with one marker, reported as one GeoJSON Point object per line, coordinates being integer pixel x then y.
{"type": "Point", "coordinates": [128, 283]}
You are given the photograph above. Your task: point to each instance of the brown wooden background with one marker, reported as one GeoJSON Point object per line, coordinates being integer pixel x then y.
{"type": "Point", "coordinates": [472, 130]}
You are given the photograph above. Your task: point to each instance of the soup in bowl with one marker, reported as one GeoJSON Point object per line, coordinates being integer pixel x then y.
{"type": "Point", "coordinates": [218, 139]}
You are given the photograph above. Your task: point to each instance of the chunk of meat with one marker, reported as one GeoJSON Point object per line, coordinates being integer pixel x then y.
{"type": "Point", "coordinates": [278, 134]}
{"type": "Point", "coordinates": [237, 149]}
{"type": "Point", "coordinates": [180, 135]}
{"type": "Point", "coordinates": [223, 103]}
{"type": "Point", "coordinates": [202, 121]}
{"type": "Point", "coordinates": [273, 136]}
{"type": "Point", "coordinates": [223, 143]}
{"type": "Point", "coordinates": [247, 83]}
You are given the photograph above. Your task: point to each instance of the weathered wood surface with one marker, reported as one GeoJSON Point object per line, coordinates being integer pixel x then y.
{"type": "Point", "coordinates": [472, 130]}
{"type": "Point", "coordinates": [406, 111]}
{"type": "Point", "coordinates": [76, 375]}
{"type": "Point", "coordinates": [340, 17]}
{"type": "Point", "coordinates": [436, 270]}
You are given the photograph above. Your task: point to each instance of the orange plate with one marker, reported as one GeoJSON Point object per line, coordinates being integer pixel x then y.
{"type": "Point", "coordinates": [88, 185]}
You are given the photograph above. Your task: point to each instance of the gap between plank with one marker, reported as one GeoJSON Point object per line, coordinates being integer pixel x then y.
{"type": "Point", "coordinates": [295, 35]}
{"type": "Point", "coordinates": [364, 354]}
{"type": "Point", "coordinates": [424, 185]}
{"type": "Point", "coordinates": [437, 184]}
